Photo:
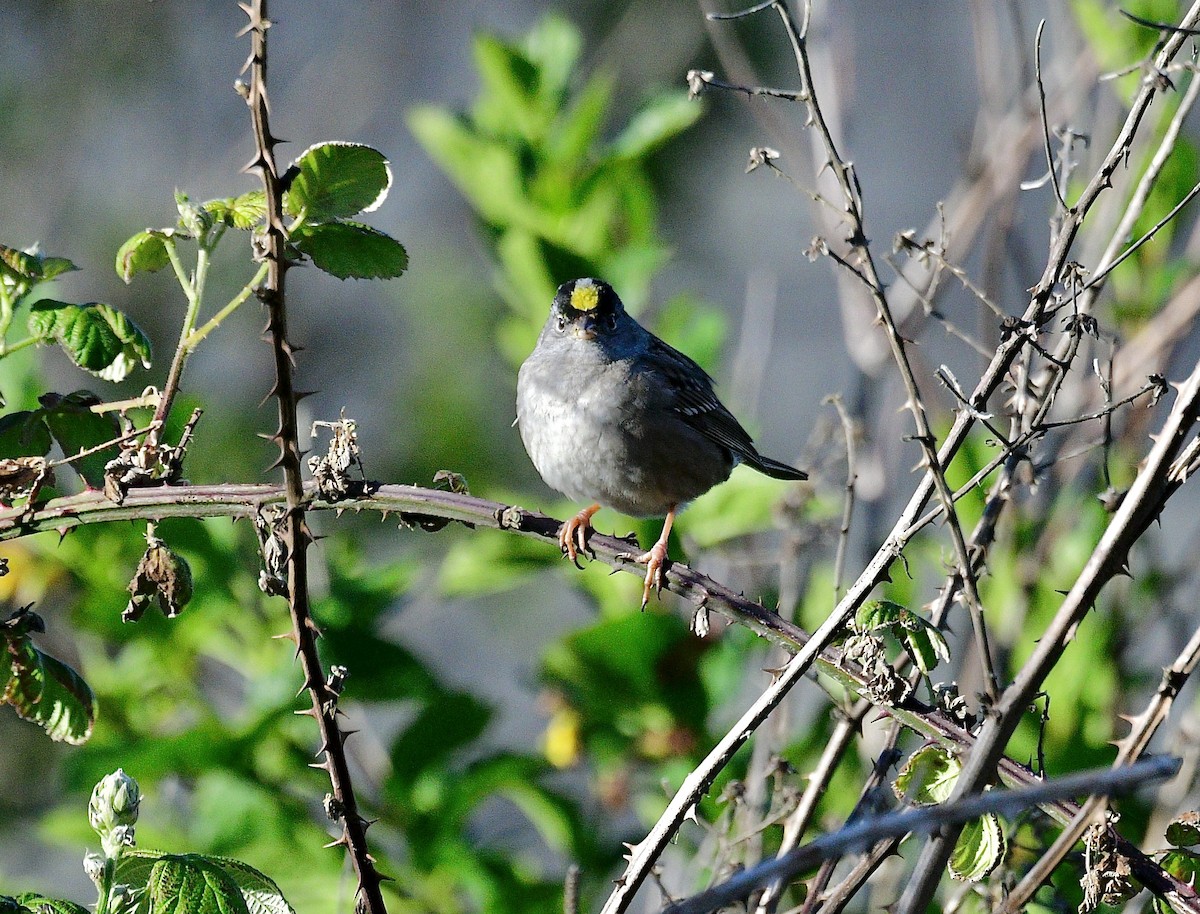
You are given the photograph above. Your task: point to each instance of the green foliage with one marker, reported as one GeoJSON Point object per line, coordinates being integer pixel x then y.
{"type": "Point", "coordinates": [41, 688]}
{"type": "Point", "coordinates": [557, 199]}
{"type": "Point", "coordinates": [97, 338]}
{"type": "Point", "coordinates": [67, 420]}
{"type": "Point", "coordinates": [351, 250]}
{"type": "Point", "coordinates": [929, 777]}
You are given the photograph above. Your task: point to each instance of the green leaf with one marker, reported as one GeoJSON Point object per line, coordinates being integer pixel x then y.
{"type": "Point", "coordinates": [145, 252]}
{"type": "Point", "coordinates": [259, 892]}
{"type": "Point", "coordinates": [1184, 865]}
{"type": "Point", "coordinates": [135, 865]}
{"type": "Point", "coordinates": [337, 180]}
{"type": "Point", "coordinates": [193, 884]}
{"type": "Point", "coordinates": [1184, 830]}
{"type": "Point", "coordinates": [10, 905]}
{"type": "Point", "coordinates": [76, 428]}
{"type": "Point", "coordinates": [511, 103]}
{"type": "Point", "coordinates": [665, 117]}
{"type": "Point", "coordinates": [40, 904]}
{"type": "Point", "coordinates": [46, 691]}
{"type": "Point", "coordinates": [928, 777]}
{"type": "Point", "coordinates": [24, 434]}
{"type": "Point", "coordinates": [96, 337]}
{"type": "Point", "coordinates": [926, 646]}
{"type": "Point", "coordinates": [244, 212]}
{"type": "Point", "coordinates": [979, 849]}
{"type": "Point", "coordinates": [553, 45]}
{"type": "Point", "coordinates": [878, 614]}
{"type": "Point", "coordinates": [485, 171]}
{"type": "Point", "coordinates": [32, 266]}
{"type": "Point", "coordinates": [350, 250]}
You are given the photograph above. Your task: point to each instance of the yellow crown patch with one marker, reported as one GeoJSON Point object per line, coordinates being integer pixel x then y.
{"type": "Point", "coordinates": [585, 298]}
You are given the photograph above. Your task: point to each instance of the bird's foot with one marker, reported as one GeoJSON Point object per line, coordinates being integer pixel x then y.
{"type": "Point", "coordinates": [573, 535]}
{"type": "Point", "coordinates": [655, 561]}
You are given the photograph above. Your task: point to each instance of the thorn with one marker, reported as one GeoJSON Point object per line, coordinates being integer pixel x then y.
{"type": "Point", "coordinates": [307, 712]}
{"type": "Point", "coordinates": [286, 636]}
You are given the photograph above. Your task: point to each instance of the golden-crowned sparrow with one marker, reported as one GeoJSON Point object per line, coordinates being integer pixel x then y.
{"type": "Point", "coordinates": [612, 415]}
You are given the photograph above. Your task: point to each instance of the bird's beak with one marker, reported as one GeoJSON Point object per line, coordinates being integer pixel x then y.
{"type": "Point", "coordinates": [584, 327]}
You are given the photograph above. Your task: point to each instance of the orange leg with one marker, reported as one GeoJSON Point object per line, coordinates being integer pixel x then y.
{"type": "Point", "coordinates": [572, 535]}
{"type": "Point", "coordinates": [655, 560]}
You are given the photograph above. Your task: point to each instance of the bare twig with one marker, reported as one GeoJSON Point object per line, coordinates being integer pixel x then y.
{"type": "Point", "coordinates": [866, 832]}
{"type": "Point", "coordinates": [1130, 749]}
{"type": "Point", "coordinates": [1154, 485]}
{"type": "Point", "coordinates": [1037, 65]}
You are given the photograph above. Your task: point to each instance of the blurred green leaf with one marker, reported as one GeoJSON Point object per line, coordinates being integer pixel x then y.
{"type": "Point", "coordinates": [663, 118]}
{"type": "Point", "coordinates": [10, 905]}
{"type": "Point", "coordinates": [24, 434]}
{"type": "Point", "coordinates": [349, 250]}
{"type": "Point", "coordinates": [484, 170]}
{"type": "Point", "coordinates": [336, 181]}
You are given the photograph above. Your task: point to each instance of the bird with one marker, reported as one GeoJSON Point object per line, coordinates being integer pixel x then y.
{"type": "Point", "coordinates": [612, 416]}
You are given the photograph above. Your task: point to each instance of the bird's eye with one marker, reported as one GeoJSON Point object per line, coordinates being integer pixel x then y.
{"type": "Point", "coordinates": [561, 323]}
{"type": "Point", "coordinates": [610, 321]}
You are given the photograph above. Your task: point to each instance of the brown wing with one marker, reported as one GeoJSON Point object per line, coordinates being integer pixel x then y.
{"type": "Point", "coordinates": [693, 400]}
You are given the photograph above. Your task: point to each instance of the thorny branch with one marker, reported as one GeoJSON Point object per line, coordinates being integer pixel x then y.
{"type": "Point", "coordinates": [295, 530]}
{"type": "Point", "coordinates": [1154, 484]}
{"type": "Point", "coordinates": [865, 832]}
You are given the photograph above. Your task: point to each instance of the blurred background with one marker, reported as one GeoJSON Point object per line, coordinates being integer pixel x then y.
{"type": "Point", "coordinates": [479, 664]}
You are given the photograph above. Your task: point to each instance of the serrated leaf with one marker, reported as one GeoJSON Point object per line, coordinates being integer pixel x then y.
{"type": "Point", "coordinates": [192, 884]}
{"type": "Point", "coordinates": [349, 250]}
{"type": "Point", "coordinates": [244, 212]}
{"type": "Point", "coordinates": [96, 337]}
{"type": "Point", "coordinates": [926, 646]}
{"type": "Point", "coordinates": [45, 691]}
{"type": "Point", "coordinates": [135, 348]}
{"type": "Point", "coordinates": [145, 252]}
{"type": "Point", "coordinates": [665, 117]}
{"type": "Point", "coordinates": [20, 271]}
{"type": "Point", "coordinates": [878, 614]}
{"type": "Point", "coordinates": [338, 180]}
{"type": "Point", "coordinates": [247, 210]}
{"type": "Point", "coordinates": [40, 904]}
{"type": "Point", "coordinates": [980, 848]}
{"type": "Point", "coordinates": [32, 266]}
{"type": "Point", "coordinates": [76, 428]}
{"type": "Point", "coordinates": [135, 865]}
{"type": "Point", "coordinates": [66, 707]}
{"type": "Point", "coordinates": [259, 891]}
{"type": "Point", "coordinates": [928, 777]}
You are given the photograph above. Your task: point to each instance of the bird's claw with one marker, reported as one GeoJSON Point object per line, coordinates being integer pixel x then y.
{"type": "Point", "coordinates": [573, 536]}
{"type": "Point", "coordinates": [656, 562]}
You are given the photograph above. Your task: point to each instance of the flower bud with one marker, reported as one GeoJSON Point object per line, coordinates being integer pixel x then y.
{"type": "Point", "coordinates": [114, 804]}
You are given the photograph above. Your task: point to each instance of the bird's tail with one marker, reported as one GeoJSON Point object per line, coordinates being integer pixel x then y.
{"type": "Point", "coordinates": [773, 468]}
